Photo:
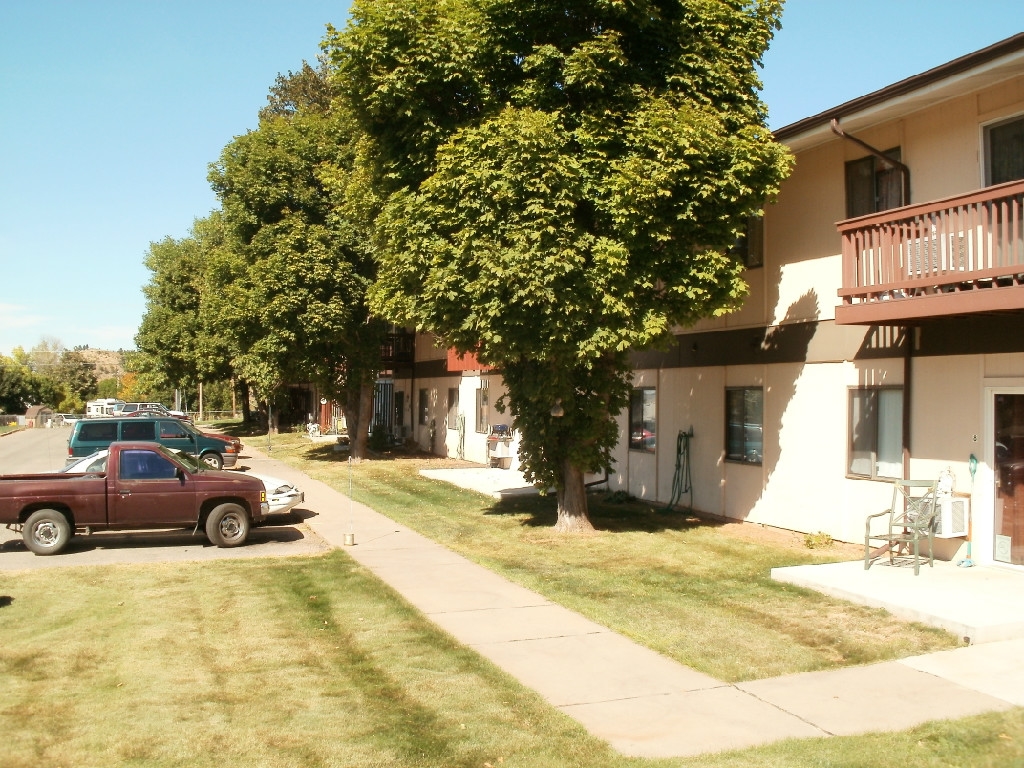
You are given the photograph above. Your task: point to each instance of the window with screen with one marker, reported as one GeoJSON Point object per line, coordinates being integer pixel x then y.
{"type": "Point", "coordinates": [453, 407]}
{"type": "Point", "coordinates": [482, 412]}
{"type": "Point", "coordinates": [424, 406]}
{"type": "Point", "coordinates": [872, 185]}
{"type": "Point", "coordinates": [1004, 151]}
{"type": "Point", "coordinates": [749, 246]}
{"type": "Point", "coordinates": [876, 433]}
{"type": "Point", "coordinates": [643, 425]}
{"type": "Point", "coordinates": [744, 427]}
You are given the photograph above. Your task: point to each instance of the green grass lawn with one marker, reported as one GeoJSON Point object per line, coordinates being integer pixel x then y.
{"type": "Point", "coordinates": [697, 591]}
{"type": "Point", "coordinates": [277, 662]}
{"type": "Point", "coordinates": [311, 661]}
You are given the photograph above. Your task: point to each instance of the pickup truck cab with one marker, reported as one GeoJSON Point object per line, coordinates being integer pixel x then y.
{"type": "Point", "coordinates": [145, 485]}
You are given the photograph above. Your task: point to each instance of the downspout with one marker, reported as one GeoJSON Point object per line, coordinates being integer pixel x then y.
{"type": "Point", "coordinates": [887, 162]}
{"type": "Point", "coordinates": [908, 367]}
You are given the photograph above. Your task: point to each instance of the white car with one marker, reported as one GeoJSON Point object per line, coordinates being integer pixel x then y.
{"type": "Point", "coordinates": [281, 495]}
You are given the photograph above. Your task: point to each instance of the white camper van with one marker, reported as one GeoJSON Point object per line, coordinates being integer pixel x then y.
{"type": "Point", "coordinates": [102, 407]}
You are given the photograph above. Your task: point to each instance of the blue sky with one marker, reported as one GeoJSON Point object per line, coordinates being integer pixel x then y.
{"type": "Point", "coordinates": [112, 110]}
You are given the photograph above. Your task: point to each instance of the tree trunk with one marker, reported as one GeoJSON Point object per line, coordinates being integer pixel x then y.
{"type": "Point", "coordinates": [246, 403]}
{"type": "Point", "coordinates": [359, 432]}
{"type": "Point", "coordinates": [572, 502]}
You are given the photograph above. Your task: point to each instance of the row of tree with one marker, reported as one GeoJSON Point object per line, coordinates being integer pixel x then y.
{"type": "Point", "coordinates": [48, 374]}
{"type": "Point", "coordinates": [545, 184]}
{"type": "Point", "coordinates": [66, 379]}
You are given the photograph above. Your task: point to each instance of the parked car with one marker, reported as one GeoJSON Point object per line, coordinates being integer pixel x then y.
{"type": "Point", "coordinates": [146, 486]}
{"type": "Point", "coordinates": [217, 435]}
{"type": "Point", "coordinates": [154, 410]}
{"type": "Point", "coordinates": [281, 495]}
{"type": "Point", "coordinates": [94, 462]}
{"type": "Point", "coordinates": [66, 419]}
{"type": "Point", "coordinates": [93, 434]}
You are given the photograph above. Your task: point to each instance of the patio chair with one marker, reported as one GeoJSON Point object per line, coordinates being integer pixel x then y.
{"type": "Point", "coordinates": [910, 520]}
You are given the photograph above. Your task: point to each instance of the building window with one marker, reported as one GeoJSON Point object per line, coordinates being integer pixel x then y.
{"type": "Point", "coordinates": [744, 425]}
{"type": "Point", "coordinates": [453, 407]}
{"type": "Point", "coordinates": [399, 408]}
{"type": "Point", "coordinates": [424, 407]}
{"type": "Point", "coordinates": [749, 246]}
{"type": "Point", "coordinates": [482, 410]}
{"type": "Point", "coordinates": [873, 185]}
{"type": "Point", "coordinates": [643, 427]}
{"type": "Point", "coordinates": [1004, 151]}
{"type": "Point", "coordinates": [876, 433]}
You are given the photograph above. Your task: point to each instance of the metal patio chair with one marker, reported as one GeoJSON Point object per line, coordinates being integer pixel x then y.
{"type": "Point", "coordinates": [910, 520]}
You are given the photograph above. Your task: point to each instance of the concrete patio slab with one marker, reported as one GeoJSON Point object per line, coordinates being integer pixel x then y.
{"type": "Point", "coordinates": [496, 483]}
{"type": "Point", "coordinates": [979, 604]}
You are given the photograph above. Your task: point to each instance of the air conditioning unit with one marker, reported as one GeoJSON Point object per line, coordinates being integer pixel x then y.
{"type": "Point", "coordinates": [953, 515]}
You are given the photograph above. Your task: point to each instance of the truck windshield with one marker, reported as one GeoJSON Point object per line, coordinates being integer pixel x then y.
{"type": "Point", "coordinates": [188, 460]}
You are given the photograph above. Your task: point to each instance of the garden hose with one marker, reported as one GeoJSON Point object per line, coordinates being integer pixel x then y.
{"type": "Point", "coordinates": [681, 482]}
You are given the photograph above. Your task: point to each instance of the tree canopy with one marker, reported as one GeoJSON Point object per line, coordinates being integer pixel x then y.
{"type": "Point", "coordinates": [564, 182]}
{"type": "Point", "coordinates": [290, 290]}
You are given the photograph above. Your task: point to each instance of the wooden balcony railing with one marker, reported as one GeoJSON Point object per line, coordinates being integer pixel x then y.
{"type": "Point", "coordinates": [960, 255]}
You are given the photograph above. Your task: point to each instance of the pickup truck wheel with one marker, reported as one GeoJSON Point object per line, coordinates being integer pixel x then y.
{"type": "Point", "coordinates": [227, 526]}
{"type": "Point", "coordinates": [46, 532]}
{"type": "Point", "coordinates": [213, 460]}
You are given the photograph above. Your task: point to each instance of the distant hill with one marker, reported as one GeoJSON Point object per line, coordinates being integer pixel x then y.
{"type": "Point", "coordinates": [109, 364]}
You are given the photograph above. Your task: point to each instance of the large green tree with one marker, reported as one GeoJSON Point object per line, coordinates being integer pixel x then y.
{"type": "Point", "coordinates": [291, 288]}
{"type": "Point", "coordinates": [15, 386]}
{"type": "Point", "coordinates": [178, 342]}
{"type": "Point", "coordinates": [564, 182]}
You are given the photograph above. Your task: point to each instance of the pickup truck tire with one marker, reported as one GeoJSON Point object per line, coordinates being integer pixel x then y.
{"type": "Point", "coordinates": [213, 460]}
{"type": "Point", "coordinates": [227, 526]}
{"type": "Point", "coordinates": [46, 532]}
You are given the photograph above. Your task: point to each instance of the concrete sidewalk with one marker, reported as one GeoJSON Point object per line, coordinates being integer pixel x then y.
{"type": "Point", "coordinates": [642, 703]}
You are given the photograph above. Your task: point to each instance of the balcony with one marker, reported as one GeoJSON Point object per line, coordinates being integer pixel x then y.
{"type": "Point", "coordinates": [398, 348]}
{"type": "Point", "coordinates": [958, 256]}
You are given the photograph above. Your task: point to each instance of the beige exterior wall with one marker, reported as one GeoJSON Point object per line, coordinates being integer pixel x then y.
{"type": "Point", "coordinates": [803, 483]}
{"type": "Point", "coordinates": [446, 436]}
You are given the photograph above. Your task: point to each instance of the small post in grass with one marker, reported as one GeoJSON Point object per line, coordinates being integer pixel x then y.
{"type": "Point", "coordinates": [350, 537]}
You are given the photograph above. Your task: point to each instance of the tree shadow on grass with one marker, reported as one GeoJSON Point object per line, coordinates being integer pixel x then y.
{"type": "Point", "coordinates": [609, 513]}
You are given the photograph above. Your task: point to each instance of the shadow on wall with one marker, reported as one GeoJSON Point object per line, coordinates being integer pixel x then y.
{"type": "Point", "coordinates": [786, 345]}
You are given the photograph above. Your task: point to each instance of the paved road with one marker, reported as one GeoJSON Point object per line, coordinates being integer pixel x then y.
{"type": "Point", "coordinates": [44, 450]}
{"type": "Point", "coordinates": [34, 450]}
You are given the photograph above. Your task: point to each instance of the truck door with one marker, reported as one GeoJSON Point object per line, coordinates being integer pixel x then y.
{"type": "Point", "coordinates": [148, 490]}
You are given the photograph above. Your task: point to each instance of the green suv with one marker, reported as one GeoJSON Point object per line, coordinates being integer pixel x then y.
{"type": "Point", "coordinates": [90, 435]}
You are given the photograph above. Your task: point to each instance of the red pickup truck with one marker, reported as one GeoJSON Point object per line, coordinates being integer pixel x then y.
{"type": "Point", "coordinates": [144, 486]}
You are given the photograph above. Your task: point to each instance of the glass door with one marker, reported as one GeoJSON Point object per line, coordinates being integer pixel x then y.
{"type": "Point", "coordinates": [1008, 544]}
